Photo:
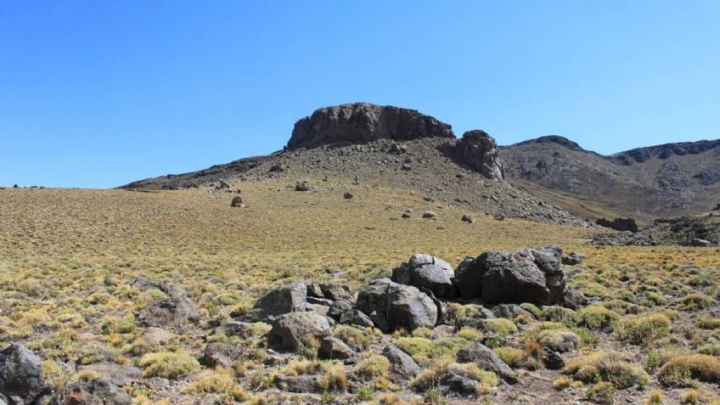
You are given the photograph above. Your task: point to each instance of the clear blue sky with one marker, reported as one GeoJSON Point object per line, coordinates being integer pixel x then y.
{"type": "Point", "coordinates": [99, 93]}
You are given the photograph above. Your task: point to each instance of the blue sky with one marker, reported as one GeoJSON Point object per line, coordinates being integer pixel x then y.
{"type": "Point", "coordinates": [101, 93]}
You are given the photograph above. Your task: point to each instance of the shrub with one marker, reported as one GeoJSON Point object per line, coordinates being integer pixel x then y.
{"type": "Point", "coordinates": [602, 393]}
{"type": "Point", "coordinates": [596, 317]}
{"type": "Point", "coordinates": [421, 349]}
{"type": "Point", "coordinates": [533, 309]}
{"type": "Point", "coordinates": [658, 358]}
{"type": "Point", "coordinates": [656, 398]}
{"type": "Point", "coordinates": [218, 381]}
{"type": "Point", "coordinates": [114, 324]}
{"type": "Point", "coordinates": [693, 302]}
{"type": "Point", "coordinates": [643, 329]}
{"type": "Point", "coordinates": [512, 356]}
{"type": "Point", "coordinates": [705, 322]}
{"type": "Point", "coordinates": [562, 383]}
{"type": "Point", "coordinates": [679, 371]}
{"type": "Point", "coordinates": [429, 378]}
{"type": "Point", "coordinates": [373, 367]}
{"type": "Point", "coordinates": [353, 337]}
{"type": "Point", "coordinates": [423, 332]}
{"type": "Point", "coordinates": [691, 397]}
{"type": "Point", "coordinates": [559, 340]}
{"type": "Point", "coordinates": [710, 350]}
{"type": "Point", "coordinates": [563, 315]}
{"type": "Point", "coordinates": [168, 365]}
{"type": "Point", "coordinates": [499, 326]}
{"type": "Point", "coordinates": [612, 367]}
{"type": "Point", "coordinates": [471, 334]}
{"type": "Point", "coordinates": [334, 379]}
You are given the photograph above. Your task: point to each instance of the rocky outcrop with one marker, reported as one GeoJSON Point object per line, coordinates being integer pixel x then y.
{"type": "Point", "coordinates": [478, 151]}
{"type": "Point", "coordinates": [21, 379]}
{"type": "Point", "coordinates": [427, 272]}
{"type": "Point", "coordinates": [513, 276]}
{"type": "Point", "coordinates": [362, 123]}
{"type": "Point", "coordinates": [619, 224]}
{"type": "Point", "coordinates": [288, 298]}
{"type": "Point", "coordinates": [391, 306]}
{"type": "Point", "coordinates": [177, 312]}
{"type": "Point", "coordinates": [298, 330]}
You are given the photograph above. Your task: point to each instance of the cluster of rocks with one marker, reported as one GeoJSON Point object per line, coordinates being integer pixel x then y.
{"type": "Point", "coordinates": [619, 224]}
{"type": "Point", "coordinates": [478, 151]}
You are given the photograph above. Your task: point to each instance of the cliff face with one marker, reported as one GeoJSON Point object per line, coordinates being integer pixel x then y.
{"type": "Point", "coordinates": [360, 123]}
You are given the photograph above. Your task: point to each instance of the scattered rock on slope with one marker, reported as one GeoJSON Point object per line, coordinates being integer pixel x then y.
{"type": "Point", "coordinates": [363, 123]}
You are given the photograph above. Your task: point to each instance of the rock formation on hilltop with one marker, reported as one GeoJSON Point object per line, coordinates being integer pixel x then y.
{"type": "Point", "coordinates": [360, 123]}
{"type": "Point", "coordinates": [478, 151]}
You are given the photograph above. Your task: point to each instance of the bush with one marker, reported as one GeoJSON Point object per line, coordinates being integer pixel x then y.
{"type": "Point", "coordinates": [710, 350]}
{"type": "Point", "coordinates": [374, 366]}
{"type": "Point", "coordinates": [656, 398]}
{"type": "Point", "coordinates": [353, 337]}
{"type": "Point", "coordinates": [533, 309]}
{"type": "Point", "coordinates": [218, 381]}
{"type": "Point", "coordinates": [499, 326]}
{"type": "Point", "coordinates": [421, 349]}
{"type": "Point", "coordinates": [602, 393]}
{"type": "Point", "coordinates": [470, 334]}
{"type": "Point", "coordinates": [563, 315]}
{"type": "Point", "coordinates": [612, 367]}
{"type": "Point", "coordinates": [168, 365]}
{"type": "Point", "coordinates": [429, 378]}
{"type": "Point", "coordinates": [512, 356]}
{"type": "Point", "coordinates": [597, 317]}
{"type": "Point", "coordinates": [643, 329]}
{"type": "Point", "coordinates": [679, 371]}
{"type": "Point", "coordinates": [705, 322]}
{"type": "Point", "coordinates": [691, 397]}
{"type": "Point", "coordinates": [562, 383]}
{"type": "Point", "coordinates": [114, 324]}
{"type": "Point", "coordinates": [693, 302]}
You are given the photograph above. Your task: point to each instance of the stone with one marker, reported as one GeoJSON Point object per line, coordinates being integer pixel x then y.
{"type": "Point", "coordinates": [499, 216]}
{"type": "Point", "coordinates": [510, 311]}
{"type": "Point", "coordinates": [427, 272]}
{"type": "Point", "coordinates": [697, 242]}
{"type": "Point", "coordinates": [487, 359]}
{"type": "Point", "coordinates": [573, 259]}
{"type": "Point", "coordinates": [99, 391]}
{"type": "Point", "coordinates": [477, 151]}
{"type": "Point", "coordinates": [117, 374]}
{"type": "Point", "coordinates": [401, 363]}
{"type": "Point", "coordinates": [177, 312]}
{"type": "Point", "coordinates": [294, 331]}
{"type": "Point", "coordinates": [335, 349]}
{"type": "Point", "coordinates": [157, 336]}
{"type": "Point", "coordinates": [237, 202]}
{"type": "Point", "coordinates": [218, 354]}
{"type": "Point", "coordinates": [288, 298]}
{"type": "Point", "coordinates": [298, 384]}
{"type": "Point", "coordinates": [430, 215]}
{"type": "Point", "coordinates": [391, 305]}
{"type": "Point", "coordinates": [302, 186]}
{"type": "Point", "coordinates": [143, 284]}
{"type": "Point", "coordinates": [21, 377]}
{"type": "Point", "coordinates": [514, 276]}
{"type": "Point", "coordinates": [619, 224]}
{"type": "Point", "coordinates": [347, 195]}
{"type": "Point", "coordinates": [553, 360]}
{"type": "Point", "coordinates": [573, 299]}
{"type": "Point", "coordinates": [467, 218]}
{"type": "Point", "coordinates": [361, 123]}
{"type": "Point", "coordinates": [243, 330]}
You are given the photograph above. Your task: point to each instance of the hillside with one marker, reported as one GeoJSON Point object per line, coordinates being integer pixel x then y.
{"type": "Point", "coordinates": [388, 147]}
{"type": "Point", "coordinates": [646, 183]}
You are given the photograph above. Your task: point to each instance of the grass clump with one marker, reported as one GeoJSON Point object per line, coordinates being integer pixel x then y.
{"type": "Point", "coordinates": [597, 317]}
{"type": "Point", "coordinates": [706, 322]}
{"type": "Point", "coordinates": [563, 315]}
{"type": "Point", "coordinates": [533, 309]}
{"type": "Point", "coordinates": [428, 379]}
{"type": "Point", "coordinates": [335, 380]}
{"type": "Point", "coordinates": [611, 367]}
{"type": "Point", "coordinates": [422, 350]}
{"type": "Point", "coordinates": [218, 381]}
{"type": "Point", "coordinates": [710, 350]}
{"type": "Point", "coordinates": [690, 397]}
{"type": "Point", "coordinates": [643, 329]}
{"type": "Point", "coordinates": [680, 371]}
{"type": "Point", "coordinates": [656, 397]}
{"type": "Point", "coordinates": [353, 337]}
{"type": "Point", "coordinates": [512, 356]}
{"type": "Point", "coordinates": [168, 365]}
{"type": "Point", "coordinates": [470, 334]}
{"type": "Point", "coordinates": [562, 383]}
{"type": "Point", "coordinates": [115, 324]}
{"type": "Point", "coordinates": [375, 366]}
{"type": "Point", "coordinates": [602, 393]}
{"type": "Point", "coordinates": [693, 302]}
{"type": "Point", "coordinates": [499, 326]}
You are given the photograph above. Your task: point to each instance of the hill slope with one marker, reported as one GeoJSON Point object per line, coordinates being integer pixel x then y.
{"type": "Point", "coordinates": [657, 181]}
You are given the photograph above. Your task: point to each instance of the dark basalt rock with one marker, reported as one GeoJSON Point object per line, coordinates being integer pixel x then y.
{"type": "Point", "coordinates": [619, 224]}
{"type": "Point", "coordinates": [360, 123]}
{"type": "Point", "coordinates": [478, 151]}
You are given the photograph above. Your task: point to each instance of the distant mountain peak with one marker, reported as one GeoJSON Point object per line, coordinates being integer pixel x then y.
{"type": "Point", "coordinates": [557, 139]}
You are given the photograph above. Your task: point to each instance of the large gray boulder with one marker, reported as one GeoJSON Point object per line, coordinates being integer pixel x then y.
{"type": "Point", "coordinates": [427, 272]}
{"type": "Point", "coordinates": [391, 305]}
{"type": "Point", "coordinates": [175, 312]}
{"type": "Point", "coordinates": [21, 378]}
{"type": "Point", "coordinates": [363, 123]}
{"type": "Point", "coordinates": [478, 151]}
{"type": "Point", "coordinates": [487, 359]}
{"type": "Point", "coordinates": [400, 362]}
{"type": "Point", "coordinates": [514, 276]}
{"type": "Point", "coordinates": [283, 300]}
{"type": "Point", "coordinates": [99, 391]}
{"type": "Point", "coordinates": [297, 330]}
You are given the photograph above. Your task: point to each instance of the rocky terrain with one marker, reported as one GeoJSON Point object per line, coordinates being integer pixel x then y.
{"type": "Point", "coordinates": [646, 183]}
{"type": "Point", "coordinates": [428, 161]}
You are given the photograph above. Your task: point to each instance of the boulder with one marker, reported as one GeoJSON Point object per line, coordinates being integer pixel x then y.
{"type": "Point", "coordinates": [467, 218]}
{"type": "Point", "coordinates": [98, 391]}
{"type": "Point", "coordinates": [573, 259]}
{"type": "Point", "coordinates": [166, 312]}
{"type": "Point", "coordinates": [573, 299]}
{"type": "Point", "coordinates": [302, 186]}
{"type": "Point", "coordinates": [391, 305]}
{"type": "Point", "coordinates": [237, 202]}
{"type": "Point", "coordinates": [510, 311]}
{"type": "Point", "coordinates": [157, 336]}
{"type": "Point", "coordinates": [697, 242]}
{"type": "Point", "coordinates": [477, 151]}
{"type": "Point", "coordinates": [143, 284]}
{"type": "Point", "coordinates": [619, 224]}
{"type": "Point", "coordinates": [514, 276]}
{"type": "Point", "coordinates": [362, 123]}
{"type": "Point", "coordinates": [430, 215]}
{"type": "Point", "coordinates": [21, 377]}
{"type": "Point", "coordinates": [218, 354]}
{"type": "Point", "coordinates": [347, 195]}
{"type": "Point", "coordinates": [298, 384]}
{"type": "Point", "coordinates": [553, 360]}
{"type": "Point", "coordinates": [334, 348]}
{"type": "Point", "coordinates": [294, 331]}
{"type": "Point", "coordinates": [288, 298]}
{"type": "Point", "coordinates": [487, 359]}
{"type": "Point", "coordinates": [427, 272]}
{"type": "Point", "coordinates": [401, 363]}
{"type": "Point", "coordinates": [117, 374]}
